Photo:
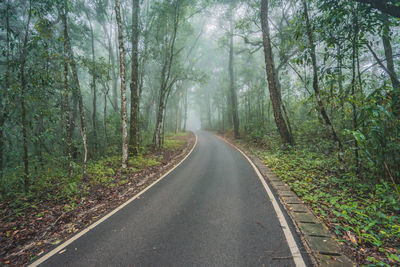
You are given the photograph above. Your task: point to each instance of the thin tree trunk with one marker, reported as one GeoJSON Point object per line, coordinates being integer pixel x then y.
{"type": "Point", "coordinates": [3, 107]}
{"type": "Point", "coordinates": [67, 108]}
{"type": "Point", "coordinates": [166, 84]}
{"type": "Point", "coordinates": [270, 69]}
{"type": "Point", "coordinates": [390, 65]}
{"type": "Point", "coordinates": [340, 80]}
{"type": "Point", "coordinates": [77, 87]}
{"type": "Point", "coordinates": [94, 89]}
{"type": "Point", "coordinates": [235, 117]}
{"type": "Point", "coordinates": [321, 107]}
{"type": "Point", "coordinates": [185, 110]}
{"type": "Point", "coordinates": [123, 89]}
{"type": "Point", "coordinates": [23, 108]}
{"type": "Point", "coordinates": [353, 84]}
{"type": "Point", "coordinates": [177, 116]}
{"type": "Point", "coordinates": [209, 111]}
{"type": "Point", "coordinates": [134, 86]}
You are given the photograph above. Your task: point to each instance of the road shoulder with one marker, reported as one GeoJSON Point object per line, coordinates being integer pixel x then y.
{"type": "Point", "coordinates": [319, 242]}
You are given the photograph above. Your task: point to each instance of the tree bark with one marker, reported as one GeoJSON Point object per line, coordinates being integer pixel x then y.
{"type": "Point", "coordinates": [23, 108]}
{"type": "Point", "coordinates": [134, 86]}
{"type": "Point", "coordinates": [390, 65]}
{"type": "Point", "coordinates": [271, 77]}
{"type": "Point", "coordinates": [185, 104]}
{"type": "Point", "coordinates": [166, 84]}
{"type": "Point", "coordinates": [321, 106]}
{"type": "Point", "coordinates": [94, 89]}
{"type": "Point", "coordinates": [353, 84]}
{"type": "Point", "coordinates": [123, 89]}
{"type": "Point", "coordinates": [233, 96]}
{"type": "Point", "coordinates": [77, 87]}
{"type": "Point", "coordinates": [67, 107]}
{"type": "Point", "coordinates": [3, 107]}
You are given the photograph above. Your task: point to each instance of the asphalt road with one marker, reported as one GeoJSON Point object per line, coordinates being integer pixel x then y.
{"type": "Point", "coordinates": [212, 210]}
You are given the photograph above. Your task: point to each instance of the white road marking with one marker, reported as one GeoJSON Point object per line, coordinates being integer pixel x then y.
{"type": "Point", "coordinates": [90, 227]}
{"type": "Point", "coordinates": [294, 249]}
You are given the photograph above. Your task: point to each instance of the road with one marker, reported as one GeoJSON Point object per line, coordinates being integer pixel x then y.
{"type": "Point", "coordinates": [212, 210]}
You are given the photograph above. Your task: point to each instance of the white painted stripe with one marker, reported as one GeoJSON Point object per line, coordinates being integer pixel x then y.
{"type": "Point", "coordinates": [294, 249]}
{"type": "Point", "coordinates": [90, 227]}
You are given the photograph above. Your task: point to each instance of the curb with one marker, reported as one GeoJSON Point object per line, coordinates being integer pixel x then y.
{"type": "Point", "coordinates": [323, 249]}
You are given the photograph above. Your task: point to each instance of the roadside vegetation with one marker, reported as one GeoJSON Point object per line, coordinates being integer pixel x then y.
{"type": "Point", "coordinates": [59, 205]}
{"type": "Point", "coordinates": [363, 213]}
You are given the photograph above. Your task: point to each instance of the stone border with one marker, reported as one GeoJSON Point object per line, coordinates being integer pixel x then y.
{"type": "Point", "coordinates": [323, 249]}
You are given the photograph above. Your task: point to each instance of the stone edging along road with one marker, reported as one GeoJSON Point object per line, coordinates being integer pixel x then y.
{"type": "Point", "coordinates": [323, 249]}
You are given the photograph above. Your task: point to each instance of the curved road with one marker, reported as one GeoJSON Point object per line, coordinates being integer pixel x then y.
{"type": "Point", "coordinates": [212, 210]}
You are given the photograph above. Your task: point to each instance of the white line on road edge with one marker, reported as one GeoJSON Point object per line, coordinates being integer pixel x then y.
{"type": "Point", "coordinates": [90, 227]}
{"type": "Point", "coordinates": [294, 249]}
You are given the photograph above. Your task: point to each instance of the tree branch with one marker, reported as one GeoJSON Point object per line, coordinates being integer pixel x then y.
{"type": "Point", "coordinates": [386, 6]}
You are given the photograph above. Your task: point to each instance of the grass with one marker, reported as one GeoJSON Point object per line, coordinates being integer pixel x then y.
{"type": "Point", "coordinates": [173, 144]}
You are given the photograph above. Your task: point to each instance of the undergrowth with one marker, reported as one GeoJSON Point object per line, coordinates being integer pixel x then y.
{"type": "Point", "coordinates": [54, 183]}
{"type": "Point", "coordinates": [359, 209]}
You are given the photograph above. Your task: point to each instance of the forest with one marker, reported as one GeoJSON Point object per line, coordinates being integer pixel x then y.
{"type": "Point", "coordinates": [92, 89]}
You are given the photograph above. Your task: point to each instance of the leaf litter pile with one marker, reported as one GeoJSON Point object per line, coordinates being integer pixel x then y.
{"type": "Point", "coordinates": [27, 235]}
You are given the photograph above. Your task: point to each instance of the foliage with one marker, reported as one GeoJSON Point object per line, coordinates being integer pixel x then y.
{"type": "Point", "coordinates": [352, 205]}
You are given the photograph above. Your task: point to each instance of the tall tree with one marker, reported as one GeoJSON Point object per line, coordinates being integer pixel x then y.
{"type": "Point", "coordinates": [93, 71]}
{"type": "Point", "coordinates": [134, 123]}
{"type": "Point", "coordinates": [77, 87]}
{"type": "Point", "coordinates": [321, 106]}
{"type": "Point", "coordinates": [24, 54]}
{"type": "Point", "coordinates": [123, 88]}
{"type": "Point", "coordinates": [386, 40]}
{"type": "Point", "coordinates": [274, 93]}
{"type": "Point", "coordinates": [232, 89]}
{"type": "Point", "coordinates": [166, 79]}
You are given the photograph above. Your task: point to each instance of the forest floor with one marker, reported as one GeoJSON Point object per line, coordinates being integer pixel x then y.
{"type": "Point", "coordinates": [363, 216]}
{"type": "Point", "coordinates": [31, 228]}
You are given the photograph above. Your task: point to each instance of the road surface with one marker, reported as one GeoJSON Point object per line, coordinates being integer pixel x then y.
{"type": "Point", "coordinates": [212, 210]}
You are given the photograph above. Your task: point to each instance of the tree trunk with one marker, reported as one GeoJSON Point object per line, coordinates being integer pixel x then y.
{"type": "Point", "coordinates": [321, 107]}
{"type": "Point", "coordinates": [270, 69]}
{"type": "Point", "coordinates": [77, 87]}
{"type": "Point", "coordinates": [159, 124]}
{"type": "Point", "coordinates": [390, 65]}
{"type": "Point", "coordinates": [134, 123]}
{"type": "Point", "coordinates": [185, 109]}
{"type": "Point", "coordinates": [94, 89]}
{"type": "Point", "coordinates": [123, 89]}
{"type": "Point", "coordinates": [67, 108]}
{"type": "Point", "coordinates": [3, 107]}
{"type": "Point", "coordinates": [23, 108]}
{"type": "Point", "coordinates": [353, 83]}
{"type": "Point", "coordinates": [235, 117]}
{"type": "Point", "coordinates": [166, 84]}
{"type": "Point", "coordinates": [178, 115]}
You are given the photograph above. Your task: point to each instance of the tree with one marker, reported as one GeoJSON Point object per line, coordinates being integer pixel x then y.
{"type": "Point", "coordinates": [168, 57]}
{"type": "Point", "coordinates": [123, 89]}
{"type": "Point", "coordinates": [390, 7]}
{"type": "Point", "coordinates": [232, 90]}
{"type": "Point", "coordinates": [134, 123]}
{"type": "Point", "coordinates": [283, 129]}
{"type": "Point", "coordinates": [321, 106]}
{"type": "Point", "coordinates": [77, 88]}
